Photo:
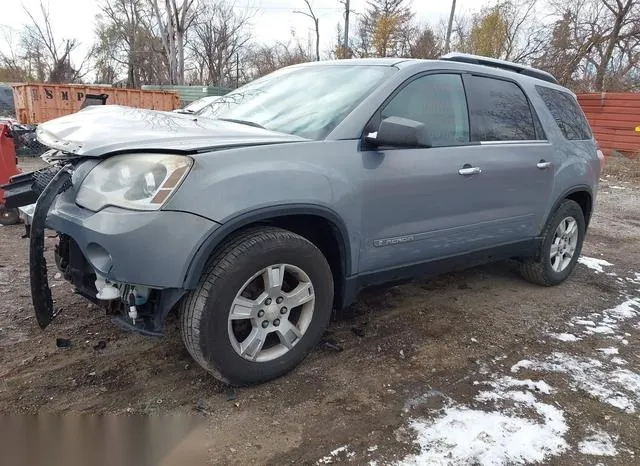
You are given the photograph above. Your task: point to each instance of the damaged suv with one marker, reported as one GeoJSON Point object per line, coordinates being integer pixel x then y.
{"type": "Point", "coordinates": [258, 216]}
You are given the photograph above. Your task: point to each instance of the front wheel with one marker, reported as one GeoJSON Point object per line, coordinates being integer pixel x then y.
{"type": "Point", "coordinates": [262, 304]}
{"type": "Point", "coordinates": [8, 216]}
{"type": "Point", "coordinates": [560, 248]}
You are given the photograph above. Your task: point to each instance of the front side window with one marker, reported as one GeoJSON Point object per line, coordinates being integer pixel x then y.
{"type": "Point", "coordinates": [565, 110]}
{"type": "Point", "coordinates": [305, 101]}
{"type": "Point", "coordinates": [438, 101]}
{"type": "Point", "coordinates": [499, 110]}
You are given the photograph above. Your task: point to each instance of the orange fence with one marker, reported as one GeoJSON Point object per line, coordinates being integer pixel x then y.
{"type": "Point", "coordinates": [37, 103]}
{"type": "Point", "coordinates": [614, 117]}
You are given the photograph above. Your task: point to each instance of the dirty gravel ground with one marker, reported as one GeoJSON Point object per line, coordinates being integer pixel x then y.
{"type": "Point", "coordinates": [476, 367]}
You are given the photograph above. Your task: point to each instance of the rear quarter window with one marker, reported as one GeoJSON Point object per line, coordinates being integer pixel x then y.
{"type": "Point", "coordinates": [566, 111]}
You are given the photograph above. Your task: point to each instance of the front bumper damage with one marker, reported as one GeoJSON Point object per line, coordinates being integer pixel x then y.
{"type": "Point", "coordinates": [131, 263]}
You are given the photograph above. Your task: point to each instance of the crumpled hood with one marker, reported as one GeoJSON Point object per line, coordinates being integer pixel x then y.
{"type": "Point", "coordinates": [100, 129]}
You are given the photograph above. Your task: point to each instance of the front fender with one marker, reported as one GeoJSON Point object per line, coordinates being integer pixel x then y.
{"type": "Point", "coordinates": [220, 234]}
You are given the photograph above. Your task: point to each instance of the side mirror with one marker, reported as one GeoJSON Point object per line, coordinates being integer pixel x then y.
{"type": "Point", "coordinates": [401, 132]}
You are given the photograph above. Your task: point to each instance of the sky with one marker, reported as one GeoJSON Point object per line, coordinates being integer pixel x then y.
{"type": "Point", "coordinates": [273, 20]}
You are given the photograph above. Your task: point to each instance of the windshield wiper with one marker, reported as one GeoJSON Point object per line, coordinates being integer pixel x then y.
{"type": "Point", "coordinates": [243, 122]}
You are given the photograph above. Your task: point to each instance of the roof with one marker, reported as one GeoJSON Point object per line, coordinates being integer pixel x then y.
{"type": "Point", "coordinates": [385, 61]}
{"type": "Point", "coordinates": [473, 61]}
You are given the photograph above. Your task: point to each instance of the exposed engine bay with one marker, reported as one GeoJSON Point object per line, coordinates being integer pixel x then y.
{"type": "Point", "coordinates": [134, 307]}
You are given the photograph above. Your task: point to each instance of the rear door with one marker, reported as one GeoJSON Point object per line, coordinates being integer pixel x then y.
{"type": "Point", "coordinates": [516, 158]}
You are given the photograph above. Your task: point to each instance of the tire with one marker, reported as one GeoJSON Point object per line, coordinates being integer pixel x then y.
{"type": "Point", "coordinates": [540, 270]}
{"type": "Point", "coordinates": [211, 337]}
{"type": "Point", "coordinates": [9, 216]}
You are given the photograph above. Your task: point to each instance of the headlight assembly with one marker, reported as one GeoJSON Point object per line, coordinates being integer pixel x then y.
{"type": "Point", "coordinates": [133, 181]}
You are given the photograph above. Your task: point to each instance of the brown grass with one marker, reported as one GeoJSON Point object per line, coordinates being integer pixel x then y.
{"type": "Point", "coordinates": [622, 167]}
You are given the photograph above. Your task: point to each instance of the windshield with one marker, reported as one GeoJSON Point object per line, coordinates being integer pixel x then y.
{"type": "Point", "coordinates": [306, 101]}
{"type": "Point", "coordinates": [199, 104]}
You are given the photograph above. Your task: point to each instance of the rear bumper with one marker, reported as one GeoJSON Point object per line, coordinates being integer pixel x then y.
{"type": "Point", "coordinates": [152, 249]}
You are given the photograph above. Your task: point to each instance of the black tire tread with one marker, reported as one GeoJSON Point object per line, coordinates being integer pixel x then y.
{"type": "Point", "coordinates": [533, 270]}
{"type": "Point", "coordinates": [194, 305]}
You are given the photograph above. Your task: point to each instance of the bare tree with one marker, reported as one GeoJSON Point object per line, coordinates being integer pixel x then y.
{"type": "Point", "coordinates": [508, 30]}
{"type": "Point", "coordinates": [624, 16]}
{"type": "Point", "coordinates": [13, 67]}
{"type": "Point", "coordinates": [54, 55]}
{"type": "Point", "coordinates": [173, 22]}
{"type": "Point", "coordinates": [219, 37]}
{"type": "Point", "coordinates": [311, 14]}
{"type": "Point", "coordinates": [122, 34]}
{"type": "Point", "coordinates": [262, 60]}
{"type": "Point", "coordinates": [594, 45]}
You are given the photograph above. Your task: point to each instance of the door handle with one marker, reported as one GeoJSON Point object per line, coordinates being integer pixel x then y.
{"type": "Point", "coordinates": [542, 164]}
{"type": "Point", "coordinates": [465, 171]}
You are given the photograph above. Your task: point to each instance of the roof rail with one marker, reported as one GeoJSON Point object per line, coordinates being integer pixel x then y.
{"type": "Point", "coordinates": [503, 64]}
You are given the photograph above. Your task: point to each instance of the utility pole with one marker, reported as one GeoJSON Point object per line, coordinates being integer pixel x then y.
{"type": "Point", "coordinates": [345, 43]}
{"type": "Point", "coordinates": [447, 42]}
{"type": "Point", "coordinates": [237, 70]}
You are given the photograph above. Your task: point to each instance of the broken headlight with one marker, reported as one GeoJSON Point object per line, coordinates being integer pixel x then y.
{"type": "Point", "coordinates": [133, 181]}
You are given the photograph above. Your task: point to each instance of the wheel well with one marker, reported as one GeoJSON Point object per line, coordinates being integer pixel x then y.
{"type": "Point", "coordinates": [319, 230]}
{"type": "Point", "coordinates": [325, 236]}
{"type": "Point", "coordinates": [583, 198]}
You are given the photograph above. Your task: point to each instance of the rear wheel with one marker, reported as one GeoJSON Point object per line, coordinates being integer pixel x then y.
{"type": "Point", "coordinates": [561, 246]}
{"type": "Point", "coordinates": [262, 304]}
{"type": "Point", "coordinates": [8, 216]}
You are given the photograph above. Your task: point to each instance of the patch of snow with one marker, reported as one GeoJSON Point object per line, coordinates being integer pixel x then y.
{"type": "Point", "coordinates": [606, 322]}
{"type": "Point", "coordinates": [618, 361]}
{"type": "Point", "coordinates": [594, 264]}
{"type": "Point", "coordinates": [564, 336]}
{"type": "Point", "coordinates": [521, 429]}
{"type": "Point", "coordinates": [503, 384]}
{"type": "Point", "coordinates": [624, 342]}
{"type": "Point", "coordinates": [610, 350]}
{"type": "Point", "coordinates": [372, 448]}
{"type": "Point", "coordinates": [617, 387]}
{"type": "Point", "coordinates": [524, 364]}
{"type": "Point", "coordinates": [625, 310]}
{"type": "Point", "coordinates": [603, 329]}
{"type": "Point", "coordinates": [584, 322]}
{"type": "Point", "coordinates": [617, 187]}
{"type": "Point", "coordinates": [471, 436]}
{"type": "Point", "coordinates": [599, 443]}
{"type": "Point", "coordinates": [333, 454]}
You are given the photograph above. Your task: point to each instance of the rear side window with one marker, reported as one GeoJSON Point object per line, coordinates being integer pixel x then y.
{"type": "Point", "coordinates": [566, 112]}
{"type": "Point", "coordinates": [499, 110]}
